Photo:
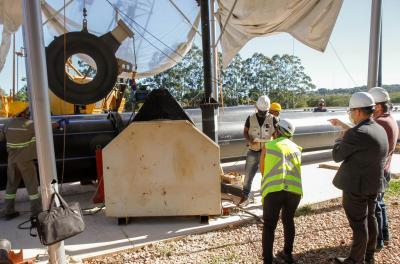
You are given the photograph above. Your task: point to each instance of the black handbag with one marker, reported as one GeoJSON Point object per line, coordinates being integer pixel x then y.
{"type": "Point", "coordinates": [58, 223]}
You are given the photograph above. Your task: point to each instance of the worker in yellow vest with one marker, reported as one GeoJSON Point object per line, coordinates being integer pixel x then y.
{"type": "Point", "coordinates": [281, 188]}
{"type": "Point", "coordinates": [21, 147]}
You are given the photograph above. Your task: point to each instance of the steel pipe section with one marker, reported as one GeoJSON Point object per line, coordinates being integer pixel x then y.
{"type": "Point", "coordinates": [85, 133]}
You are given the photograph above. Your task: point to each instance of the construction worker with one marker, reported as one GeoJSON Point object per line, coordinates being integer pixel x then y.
{"type": "Point", "coordinates": [281, 189]}
{"type": "Point", "coordinates": [383, 117]}
{"type": "Point", "coordinates": [363, 150]}
{"type": "Point", "coordinates": [21, 147]}
{"type": "Point", "coordinates": [275, 109]}
{"type": "Point", "coordinates": [258, 129]}
{"type": "Point", "coordinates": [321, 106]}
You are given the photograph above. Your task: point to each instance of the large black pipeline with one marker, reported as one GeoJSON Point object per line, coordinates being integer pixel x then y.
{"type": "Point", "coordinates": [85, 133]}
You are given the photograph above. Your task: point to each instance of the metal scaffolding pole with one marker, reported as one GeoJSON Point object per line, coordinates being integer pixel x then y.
{"type": "Point", "coordinates": [208, 104]}
{"type": "Point", "coordinates": [39, 103]}
{"type": "Point", "coordinates": [214, 52]}
{"type": "Point", "coordinates": [374, 43]}
{"type": "Point", "coordinates": [380, 58]}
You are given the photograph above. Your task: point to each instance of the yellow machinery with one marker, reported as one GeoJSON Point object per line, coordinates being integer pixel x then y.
{"type": "Point", "coordinates": [5, 102]}
{"type": "Point", "coordinates": [113, 101]}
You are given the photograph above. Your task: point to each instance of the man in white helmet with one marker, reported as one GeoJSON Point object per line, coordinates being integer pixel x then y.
{"type": "Point", "coordinates": [321, 106]}
{"type": "Point", "coordinates": [258, 129]}
{"type": "Point", "coordinates": [363, 150]}
{"type": "Point", "coordinates": [382, 116]}
{"type": "Point", "coordinates": [281, 189]}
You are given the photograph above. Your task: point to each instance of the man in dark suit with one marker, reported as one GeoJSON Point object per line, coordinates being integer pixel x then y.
{"type": "Point", "coordinates": [363, 150]}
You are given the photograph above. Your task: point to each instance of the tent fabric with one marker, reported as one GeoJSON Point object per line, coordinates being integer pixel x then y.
{"type": "Point", "coordinates": [163, 34]}
{"type": "Point", "coordinates": [11, 19]}
{"type": "Point", "coordinates": [159, 46]}
{"type": "Point", "coordinates": [309, 21]}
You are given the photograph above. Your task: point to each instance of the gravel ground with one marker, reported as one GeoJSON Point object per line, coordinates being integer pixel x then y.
{"type": "Point", "coordinates": [322, 233]}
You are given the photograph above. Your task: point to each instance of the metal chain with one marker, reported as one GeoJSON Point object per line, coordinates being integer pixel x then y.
{"type": "Point", "coordinates": [84, 22]}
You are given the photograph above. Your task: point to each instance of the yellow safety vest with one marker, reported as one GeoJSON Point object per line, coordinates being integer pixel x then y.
{"type": "Point", "coordinates": [282, 167]}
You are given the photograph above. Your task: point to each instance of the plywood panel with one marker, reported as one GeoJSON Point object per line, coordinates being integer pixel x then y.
{"type": "Point", "coordinates": [161, 168]}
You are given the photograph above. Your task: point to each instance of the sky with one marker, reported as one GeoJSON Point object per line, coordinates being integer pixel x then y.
{"type": "Point", "coordinates": [350, 39]}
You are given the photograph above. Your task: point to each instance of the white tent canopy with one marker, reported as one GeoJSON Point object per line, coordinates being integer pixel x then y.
{"type": "Point", "coordinates": [309, 21]}
{"type": "Point", "coordinates": [165, 29]}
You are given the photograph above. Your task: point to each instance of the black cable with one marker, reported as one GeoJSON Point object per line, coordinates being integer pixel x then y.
{"type": "Point", "coordinates": [259, 219]}
{"type": "Point", "coordinates": [144, 29]}
{"type": "Point", "coordinates": [20, 226]}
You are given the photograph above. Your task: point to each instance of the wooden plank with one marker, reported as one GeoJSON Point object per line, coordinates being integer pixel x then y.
{"type": "Point", "coordinates": [329, 165]}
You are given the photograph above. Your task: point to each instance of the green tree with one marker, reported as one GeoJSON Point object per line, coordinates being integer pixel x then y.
{"type": "Point", "coordinates": [283, 78]}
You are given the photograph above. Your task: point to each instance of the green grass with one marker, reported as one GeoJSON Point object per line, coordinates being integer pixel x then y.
{"type": "Point", "coordinates": [165, 250]}
{"type": "Point", "coordinates": [304, 210]}
{"type": "Point", "coordinates": [394, 188]}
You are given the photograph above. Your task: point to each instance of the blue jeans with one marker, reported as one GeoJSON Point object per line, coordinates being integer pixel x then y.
{"type": "Point", "coordinates": [381, 217]}
{"type": "Point", "coordinates": [252, 164]}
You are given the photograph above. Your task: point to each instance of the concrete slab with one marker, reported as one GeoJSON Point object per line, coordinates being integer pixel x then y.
{"type": "Point", "coordinates": [103, 235]}
{"type": "Point", "coordinates": [395, 166]}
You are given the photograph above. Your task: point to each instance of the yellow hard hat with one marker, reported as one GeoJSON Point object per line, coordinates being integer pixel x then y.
{"type": "Point", "coordinates": [276, 107]}
{"type": "Point", "coordinates": [17, 107]}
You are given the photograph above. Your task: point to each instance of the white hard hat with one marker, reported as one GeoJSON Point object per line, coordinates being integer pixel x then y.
{"type": "Point", "coordinates": [263, 103]}
{"type": "Point", "coordinates": [322, 100]}
{"type": "Point", "coordinates": [361, 99]}
{"type": "Point", "coordinates": [379, 94]}
{"type": "Point", "coordinates": [286, 127]}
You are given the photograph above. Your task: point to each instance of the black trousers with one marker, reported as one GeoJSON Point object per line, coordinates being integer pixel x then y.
{"type": "Point", "coordinates": [273, 203]}
{"type": "Point", "coordinates": [360, 211]}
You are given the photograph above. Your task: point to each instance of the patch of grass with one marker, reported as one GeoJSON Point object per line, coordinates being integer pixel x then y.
{"type": "Point", "coordinates": [165, 250]}
{"type": "Point", "coordinates": [394, 188]}
{"type": "Point", "coordinates": [304, 210]}
{"type": "Point", "coordinates": [216, 260]}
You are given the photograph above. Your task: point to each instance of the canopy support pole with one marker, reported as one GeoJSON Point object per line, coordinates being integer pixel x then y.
{"type": "Point", "coordinates": [39, 100]}
{"type": "Point", "coordinates": [214, 52]}
{"type": "Point", "coordinates": [208, 105]}
{"type": "Point", "coordinates": [374, 43]}
{"type": "Point", "coordinates": [380, 58]}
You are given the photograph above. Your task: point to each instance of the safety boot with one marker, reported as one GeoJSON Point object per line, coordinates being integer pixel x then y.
{"type": "Point", "coordinates": [9, 210]}
{"type": "Point", "coordinates": [36, 207]}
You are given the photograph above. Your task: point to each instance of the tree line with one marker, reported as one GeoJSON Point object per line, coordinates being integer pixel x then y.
{"type": "Point", "coordinates": [282, 77]}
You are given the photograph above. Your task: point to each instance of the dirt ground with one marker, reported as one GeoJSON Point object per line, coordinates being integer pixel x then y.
{"type": "Point", "coordinates": [322, 233]}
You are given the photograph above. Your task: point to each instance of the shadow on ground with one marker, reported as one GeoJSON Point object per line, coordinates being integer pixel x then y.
{"type": "Point", "coordinates": [322, 255]}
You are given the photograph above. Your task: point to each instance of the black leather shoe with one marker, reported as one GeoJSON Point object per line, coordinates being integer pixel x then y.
{"type": "Point", "coordinates": [288, 258]}
{"type": "Point", "coordinates": [386, 240]}
{"type": "Point", "coordinates": [379, 247]}
{"type": "Point", "coordinates": [369, 260]}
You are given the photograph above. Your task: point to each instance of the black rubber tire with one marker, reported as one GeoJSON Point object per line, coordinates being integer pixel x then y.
{"type": "Point", "coordinates": [98, 50]}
